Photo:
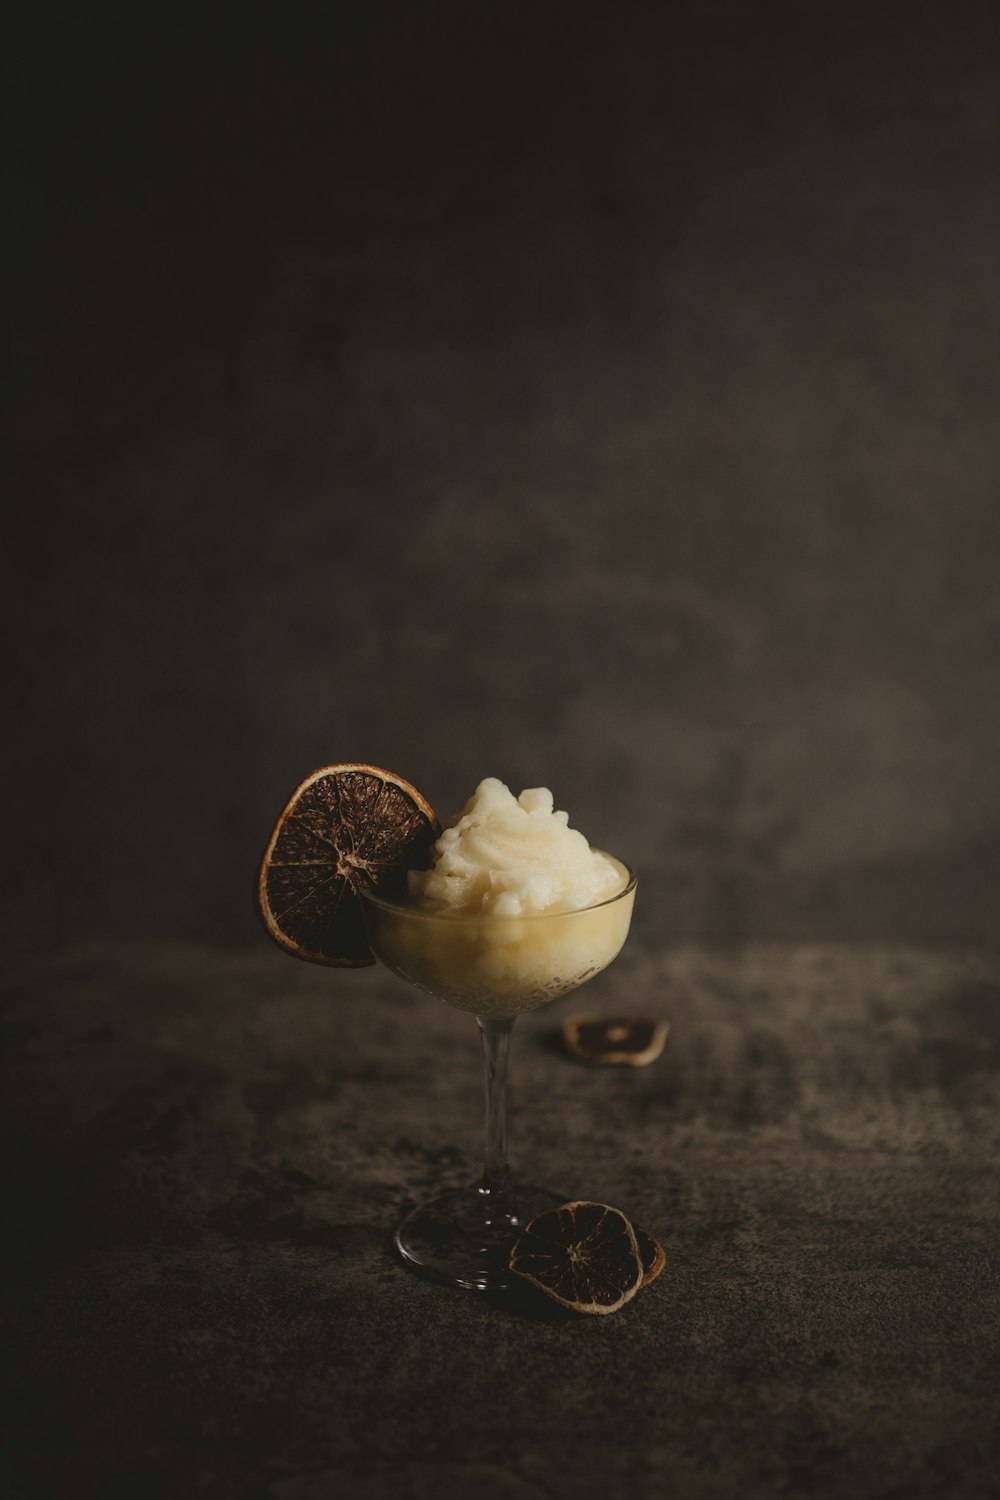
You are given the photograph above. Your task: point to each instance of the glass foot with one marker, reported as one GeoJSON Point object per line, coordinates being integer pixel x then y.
{"type": "Point", "coordinates": [463, 1239]}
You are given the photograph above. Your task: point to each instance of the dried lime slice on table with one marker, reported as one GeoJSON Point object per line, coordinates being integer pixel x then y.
{"type": "Point", "coordinates": [582, 1255]}
{"type": "Point", "coordinates": [633, 1041]}
{"type": "Point", "coordinates": [345, 828]}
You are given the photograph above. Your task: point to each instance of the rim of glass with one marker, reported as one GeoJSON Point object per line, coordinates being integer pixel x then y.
{"type": "Point", "coordinates": [405, 909]}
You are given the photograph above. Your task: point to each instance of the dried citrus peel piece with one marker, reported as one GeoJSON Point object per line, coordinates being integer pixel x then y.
{"type": "Point", "coordinates": [346, 827]}
{"type": "Point", "coordinates": [651, 1255]}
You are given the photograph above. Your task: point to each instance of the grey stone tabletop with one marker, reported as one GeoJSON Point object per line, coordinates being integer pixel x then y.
{"type": "Point", "coordinates": [208, 1153]}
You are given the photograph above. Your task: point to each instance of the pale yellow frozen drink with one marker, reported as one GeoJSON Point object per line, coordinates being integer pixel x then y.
{"type": "Point", "coordinates": [515, 909]}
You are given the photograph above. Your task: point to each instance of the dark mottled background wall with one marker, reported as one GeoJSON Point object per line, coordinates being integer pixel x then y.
{"type": "Point", "coordinates": [601, 395]}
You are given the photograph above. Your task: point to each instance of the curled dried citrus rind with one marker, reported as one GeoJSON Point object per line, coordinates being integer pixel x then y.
{"type": "Point", "coordinates": [345, 828]}
{"type": "Point", "coordinates": [651, 1255]}
{"type": "Point", "coordinates": [630, 1040]}
{"type": "Point", "coordinates": [582, 1255]}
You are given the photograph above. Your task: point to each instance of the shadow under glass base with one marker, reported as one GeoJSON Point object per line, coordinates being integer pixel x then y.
{"type": "Point", "coordinates": [462, 1238]}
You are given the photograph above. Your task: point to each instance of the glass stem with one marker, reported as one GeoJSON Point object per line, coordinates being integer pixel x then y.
{"type": "Point", "coordinates": [495, 1186]}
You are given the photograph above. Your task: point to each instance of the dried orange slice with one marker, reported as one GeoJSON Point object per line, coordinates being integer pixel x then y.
{"type": "Point", "coordinates": [651, 1255]}
{"type": "Point", "coordinates": [632, 1040]}
{"type": "Point", "coordinates": [345, 828]}
{"type": "Point", "coordinates": [582, 1255]}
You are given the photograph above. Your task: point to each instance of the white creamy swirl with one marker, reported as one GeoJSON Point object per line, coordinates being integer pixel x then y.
{"type": "Point", "coordinates": [505, 856]}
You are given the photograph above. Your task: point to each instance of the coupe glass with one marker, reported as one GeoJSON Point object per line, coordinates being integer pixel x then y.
{"type": "Point", "coordinates": [496, 968]}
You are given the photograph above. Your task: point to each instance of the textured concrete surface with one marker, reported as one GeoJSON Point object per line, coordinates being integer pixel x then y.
{"type": "Point", "coordinates": [206, 1157]}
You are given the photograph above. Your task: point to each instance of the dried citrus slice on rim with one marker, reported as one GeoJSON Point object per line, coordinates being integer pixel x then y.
{"type": "Point", "coordinates": [582, 1255]}
{"type": "Point", "coordinates": [345, 828]}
